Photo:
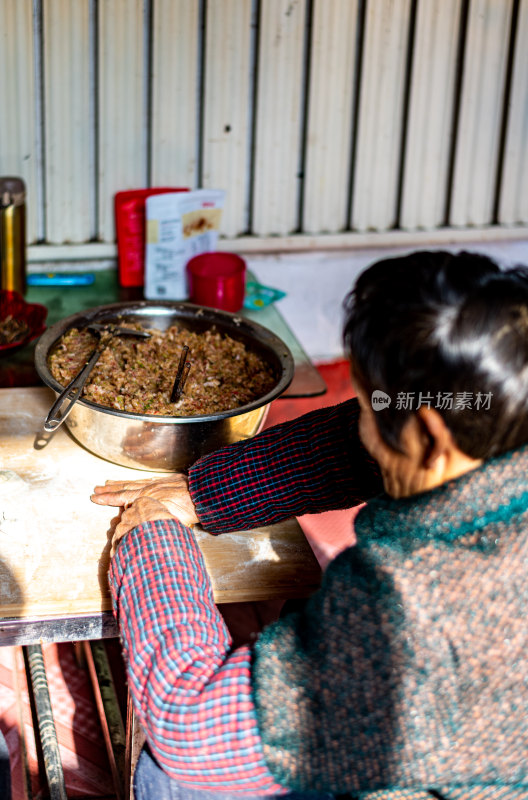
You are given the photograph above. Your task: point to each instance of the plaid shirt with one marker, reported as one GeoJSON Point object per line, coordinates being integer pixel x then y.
{"type": "Point", "coordinates": [192, 692]}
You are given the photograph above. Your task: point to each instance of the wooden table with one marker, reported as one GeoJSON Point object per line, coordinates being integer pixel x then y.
{"type": "Point", "coordinates": [54, 547]}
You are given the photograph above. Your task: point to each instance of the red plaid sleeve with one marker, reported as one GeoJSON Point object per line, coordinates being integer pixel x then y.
{"type": "Point", "coordinates": [311, 464]}
{"type": "Point", "coordinates": [191, 692]}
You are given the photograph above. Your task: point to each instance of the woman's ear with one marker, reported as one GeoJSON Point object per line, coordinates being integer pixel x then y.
{"type": "Point", "coordinates": [440, 441]}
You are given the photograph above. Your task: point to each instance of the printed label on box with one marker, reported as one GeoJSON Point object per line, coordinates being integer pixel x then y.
{"type": "Point", "coordinates": [179, 226]}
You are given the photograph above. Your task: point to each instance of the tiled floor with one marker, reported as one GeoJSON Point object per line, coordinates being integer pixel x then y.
{"type": "Point", "coordinates": [84, 759]}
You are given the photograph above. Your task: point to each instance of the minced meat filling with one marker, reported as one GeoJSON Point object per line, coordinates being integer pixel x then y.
{"type": "Point", "coordinates": [138, 375]}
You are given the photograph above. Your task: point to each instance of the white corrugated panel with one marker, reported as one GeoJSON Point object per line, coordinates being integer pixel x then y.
{"type": "Point", "coordinates": [514, 193]}
{"type": "Point", "coordinates": [68, 123]}
{"type": "Point", "coordinates": [380, 115]}
{"type": "Point", "coordinates": [279, 115]}
{"type": "Point", "coordinates": [174, 93]}
{"type": "Point", "coordinates": [227, 120]}
{"type": "Point", "coordinates": [480, 112]}
{"type": "Point", "coordinates": [430, 115]}
{"type": "Point", "coordinates": [122, 113]}
{"type": "Point", "coordinates": [253, 145]}
{"type": "Point", "coordinates": [328, 147]}
{"type": "Point", "coordinates": [18, 143]}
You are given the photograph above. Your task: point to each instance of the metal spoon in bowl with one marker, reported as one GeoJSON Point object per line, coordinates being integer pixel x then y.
{"type": "Point", "coordinates": [73, 390]}
{"type": "Point", "coordinates": [181, 376]}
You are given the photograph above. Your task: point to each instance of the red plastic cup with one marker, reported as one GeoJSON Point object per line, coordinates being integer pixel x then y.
{"type": "Point", "coordinates": [217, 280]}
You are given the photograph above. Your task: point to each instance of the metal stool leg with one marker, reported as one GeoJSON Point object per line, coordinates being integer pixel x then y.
{"type": "Point", "coordinates": [135, 739]}
{"type": "Point", "coordinates": [46, 724]}
{"type": "Point", "coordinates": [108, 710]}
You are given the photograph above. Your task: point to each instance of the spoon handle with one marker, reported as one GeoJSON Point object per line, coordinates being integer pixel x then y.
{"type": "Point", "coordinates": [69, 395]}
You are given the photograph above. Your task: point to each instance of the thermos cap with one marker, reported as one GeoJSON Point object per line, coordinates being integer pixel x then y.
{"type": "Point", "coordinates": [13, 190]}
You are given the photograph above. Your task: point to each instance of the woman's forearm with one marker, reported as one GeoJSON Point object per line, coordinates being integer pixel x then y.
{"type": "Point", "coordinates": [311, 464]}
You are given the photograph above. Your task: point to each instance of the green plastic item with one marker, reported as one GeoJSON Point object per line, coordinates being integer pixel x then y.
{"type": "Point", "coordinates": [259, 296]}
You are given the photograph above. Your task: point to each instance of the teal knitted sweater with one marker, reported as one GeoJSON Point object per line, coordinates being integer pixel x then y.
{"type": "Point", "coordinates": [408, 670]}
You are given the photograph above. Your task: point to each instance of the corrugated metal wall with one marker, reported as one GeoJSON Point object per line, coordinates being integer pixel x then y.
{"type": "Point", "coordinates": [317, 116]}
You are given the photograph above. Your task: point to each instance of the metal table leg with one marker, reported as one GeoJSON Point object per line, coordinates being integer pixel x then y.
{"type": "Point", "coordinates": [46, 724]}
{"type": "Point", "coordinates": [26, 773]}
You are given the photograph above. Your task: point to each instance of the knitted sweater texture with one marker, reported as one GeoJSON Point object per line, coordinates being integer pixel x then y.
{"type": "Point", "coordinates": [408, 671]}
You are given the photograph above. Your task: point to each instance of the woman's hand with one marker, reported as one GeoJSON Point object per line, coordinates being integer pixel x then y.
{"type": "Point", "coordinates": [144, 509]}
{"type": "Point", "coordinates": [171, 492]}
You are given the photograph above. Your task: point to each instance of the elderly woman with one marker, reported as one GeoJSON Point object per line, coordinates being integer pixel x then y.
{"type": "Point", "coordinates": [405, 675]}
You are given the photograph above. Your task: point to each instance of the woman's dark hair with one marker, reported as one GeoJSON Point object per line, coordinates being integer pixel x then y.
{"type": "Point", "coordinates": [449, 331]}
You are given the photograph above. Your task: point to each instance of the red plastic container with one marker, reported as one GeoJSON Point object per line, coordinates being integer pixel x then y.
{"type": "Point", "coordinates": [217, 280]}
{"type": "Point", "coordinates": [129, 209]}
